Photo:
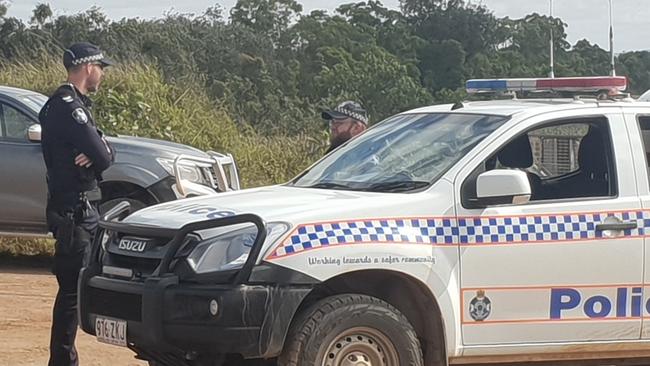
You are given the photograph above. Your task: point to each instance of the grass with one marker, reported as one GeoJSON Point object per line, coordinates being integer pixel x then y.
{"type": "Point", "coordinates": [26, 252]}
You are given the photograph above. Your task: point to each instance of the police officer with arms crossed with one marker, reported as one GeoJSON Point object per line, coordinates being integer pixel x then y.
{"type": "Point", "coordinates": [347, 120]}
{"type": "Point", "coordinates": [75, 154]}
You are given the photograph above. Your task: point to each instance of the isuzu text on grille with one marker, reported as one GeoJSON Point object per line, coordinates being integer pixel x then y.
{"type": "Point", "coordinates": [132, 245]}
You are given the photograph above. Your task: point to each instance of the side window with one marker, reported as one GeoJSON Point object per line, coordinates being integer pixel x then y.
{"type": "Point", "coordinates": [15, 123]}
{"type": "Point", "coordinates": [644, 124]}
{"type": "Point", "coordinates": [571, 159]}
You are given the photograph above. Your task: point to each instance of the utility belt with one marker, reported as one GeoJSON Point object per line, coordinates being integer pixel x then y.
{"type": "Point", "coordinates": [92, 196]}
{"type": "Point", "coordinates": [64, 221]}
{"type": "Point", "coordinates": [66, 200]}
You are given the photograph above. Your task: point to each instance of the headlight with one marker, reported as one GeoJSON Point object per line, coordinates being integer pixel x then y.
{"type": "Point", "coordinates": [189, 171]}
{"type": "Point", "coordinates": [230, 250]}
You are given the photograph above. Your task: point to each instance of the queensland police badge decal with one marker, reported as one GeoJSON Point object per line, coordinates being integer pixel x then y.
{"type": "Point", "coordinates": [80, 116]}
{"type": "Point", "coordinates": [480, 306]}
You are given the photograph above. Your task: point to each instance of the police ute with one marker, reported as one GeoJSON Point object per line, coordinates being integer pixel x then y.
{"type": "Point", "coordinates": [509, 227]}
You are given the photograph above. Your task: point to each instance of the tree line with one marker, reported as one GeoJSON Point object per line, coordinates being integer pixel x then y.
{"type": "Point", "coordinates": [272, 67]}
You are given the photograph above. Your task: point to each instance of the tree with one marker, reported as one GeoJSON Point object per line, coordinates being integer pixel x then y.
{"type": "Point", "coordinates": [3, 9]}
{"type": "Point", "coordinates": [636, 66]}
{"type": "Point", "coordinates": [586, 59]}
{"type": "Point", "coordinates": [442, 65]}
{"type": "Point", "coordinates": [41, 14]}
{"type": "Point", "coordinates": [474, 26]}
{"type": "Point", "coordinates": [269, 17]}
{"type": "Point", "coordinates": [271, 68]}
{"type": "Point", "coordinates": [376, 78]}
{"type": "Point", "coordinates": [389, 28]}
{"type": "Point", "coordinates": [529, 37]}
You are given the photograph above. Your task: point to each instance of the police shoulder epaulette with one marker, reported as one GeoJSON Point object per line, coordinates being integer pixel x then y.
{"type": "Point", "coordinates": [67, 92]}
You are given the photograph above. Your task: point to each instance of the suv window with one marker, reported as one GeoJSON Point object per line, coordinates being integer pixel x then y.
{"type": "Point", "coordinates": [644, 124]}
{"type": "Point", "coordinates": [403, 153]}
{"type": "Point", "coordinates": [570, 159]}
{"type": "Point", "coordinates": [14, 123]}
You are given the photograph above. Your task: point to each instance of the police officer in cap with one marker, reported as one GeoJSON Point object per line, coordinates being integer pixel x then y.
{"type": "Point", "coordinates": [76, 154]}
{"type": "Point", "coordinates": [347, 120]}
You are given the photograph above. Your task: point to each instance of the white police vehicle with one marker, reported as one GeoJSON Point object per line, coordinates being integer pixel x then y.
{"type": "Point", "coordinates": [479, 232]}
{"type": "Point", "coordinates": [645, 97]}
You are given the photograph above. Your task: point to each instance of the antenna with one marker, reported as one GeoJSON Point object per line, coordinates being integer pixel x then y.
{"type": "Point", "coordinates": [552, 73]}
{"type": "Point", "coordinates": [611, 39]}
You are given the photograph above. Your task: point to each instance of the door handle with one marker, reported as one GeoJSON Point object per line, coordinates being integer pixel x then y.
{"type": "Point", "coordinates": [624, 225]}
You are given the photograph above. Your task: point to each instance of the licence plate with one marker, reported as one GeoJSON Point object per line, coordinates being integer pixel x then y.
{"type": "Point", "coordinates": [111, 331]}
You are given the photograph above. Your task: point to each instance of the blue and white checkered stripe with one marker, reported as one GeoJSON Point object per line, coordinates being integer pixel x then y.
{"type": "Point", "coordinates": [520, 229]}
{"type": "Point", "coordinates": [465, 230]}
{"type": "Point", "coordinates": [414, 231]}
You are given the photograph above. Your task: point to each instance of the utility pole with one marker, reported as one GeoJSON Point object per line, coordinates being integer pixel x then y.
{"type": "Point", "coordinates": [552, 73]}
{"type": "Point", "coordinates": [611, 40]}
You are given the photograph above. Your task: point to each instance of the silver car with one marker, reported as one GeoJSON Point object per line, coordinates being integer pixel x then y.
{"type": "Point", "coordinates": [145, 172]}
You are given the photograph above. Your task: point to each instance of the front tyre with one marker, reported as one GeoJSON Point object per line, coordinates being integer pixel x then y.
{"type": "Point", "coordinates": [351, 330]}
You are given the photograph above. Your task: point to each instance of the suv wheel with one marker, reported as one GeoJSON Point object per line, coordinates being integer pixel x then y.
{"type": "Point", "coordinates": [352, 330]}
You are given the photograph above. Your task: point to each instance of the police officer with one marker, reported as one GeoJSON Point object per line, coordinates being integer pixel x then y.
{"type": "Point", "coordinates": [75, 154]}
{"type": "Point", "coordinates": [347, 120]}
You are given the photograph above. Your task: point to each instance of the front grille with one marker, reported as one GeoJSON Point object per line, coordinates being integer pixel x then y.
{"type": "Point", "coordinates": [142, 267]}
{"type": "Point", "coordinates": [119, 305]}
{"type": "Point", "coordinates": [143, 262]}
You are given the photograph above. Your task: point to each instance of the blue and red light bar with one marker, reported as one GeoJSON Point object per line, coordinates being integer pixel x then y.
{"type": "Point", "coordinates": [577, 84]}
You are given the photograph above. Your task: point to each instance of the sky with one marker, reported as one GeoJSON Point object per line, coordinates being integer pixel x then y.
{"type": "Point", "coordinates": [585, 18]}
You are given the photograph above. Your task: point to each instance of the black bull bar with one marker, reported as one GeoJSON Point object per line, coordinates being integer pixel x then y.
{"type": "Point", "coordinates": [163, 277]}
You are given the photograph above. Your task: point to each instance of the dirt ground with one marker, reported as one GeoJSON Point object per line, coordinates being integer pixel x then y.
{"type": "Point", "coordinates": [26, 299]}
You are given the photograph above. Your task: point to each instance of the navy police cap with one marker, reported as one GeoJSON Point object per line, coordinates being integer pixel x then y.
{"type": "Point", "coordinates": [347, 109]}
{"type": "Point", "coordinates": [84, 52]}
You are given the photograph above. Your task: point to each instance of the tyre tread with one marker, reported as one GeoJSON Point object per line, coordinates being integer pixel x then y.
{"type": "Point", "coordinates": [308, 322]}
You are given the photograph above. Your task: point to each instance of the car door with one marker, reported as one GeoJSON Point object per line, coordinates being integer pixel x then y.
{"type": "Point", "coordinates": [23, 188]}
{"type": "Point", "coordinates": [638, 122]}
{"type": "Point", "coordinates": [567, 265]}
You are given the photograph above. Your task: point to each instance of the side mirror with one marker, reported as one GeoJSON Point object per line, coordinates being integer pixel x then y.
{"type": "Point", "coordinates": [34, 133]}
{"type": "Point", "coordinates": [502, 187]}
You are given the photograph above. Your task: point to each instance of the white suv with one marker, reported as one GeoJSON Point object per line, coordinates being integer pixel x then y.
{"type": "Point", "coordinates": [481, 232]}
